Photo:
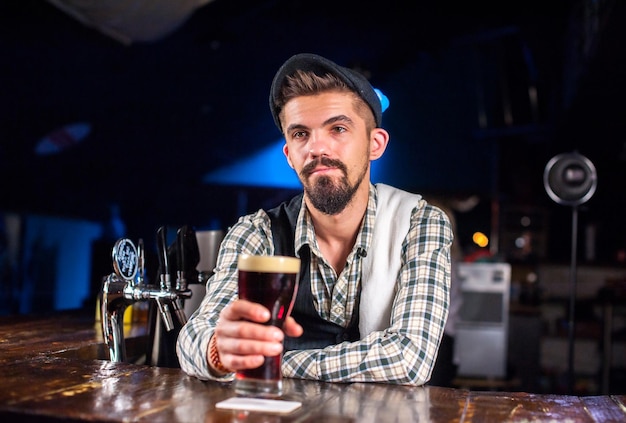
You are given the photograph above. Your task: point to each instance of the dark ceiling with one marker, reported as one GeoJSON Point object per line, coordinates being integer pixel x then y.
{"type": "Point", "coordinates": [165, 113]}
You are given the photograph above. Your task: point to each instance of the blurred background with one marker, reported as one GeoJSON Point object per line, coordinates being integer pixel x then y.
{"type": "Point", "coordinates": [120, 117]}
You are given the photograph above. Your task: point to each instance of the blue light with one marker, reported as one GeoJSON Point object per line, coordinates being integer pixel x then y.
{"type": "Point", "coordinates": [266, 168]}
{"type": "Point", "coordinates": [384, 101]}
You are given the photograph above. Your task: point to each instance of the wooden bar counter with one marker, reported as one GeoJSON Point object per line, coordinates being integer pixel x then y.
{"type": "Point", "coordinates": [49, 374]}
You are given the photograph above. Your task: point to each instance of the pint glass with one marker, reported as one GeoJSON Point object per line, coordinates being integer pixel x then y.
{"type": "Point", "coordinates": [273, 282]}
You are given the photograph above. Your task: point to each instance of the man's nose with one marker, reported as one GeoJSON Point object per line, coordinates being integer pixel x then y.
{"type": "Point", "coordinates": [318, 146]}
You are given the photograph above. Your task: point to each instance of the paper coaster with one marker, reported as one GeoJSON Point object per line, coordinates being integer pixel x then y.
{"type": "Point", "coordinates": [258, 404]}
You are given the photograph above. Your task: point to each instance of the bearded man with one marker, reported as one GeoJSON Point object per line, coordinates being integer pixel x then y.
{"type": "Point", "coordinates": [375, 260]}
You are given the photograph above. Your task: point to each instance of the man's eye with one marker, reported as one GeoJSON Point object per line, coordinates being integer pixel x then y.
{"type": "Point", "coordinates": [299, 134]}
{"type": "Point", "coordinates": [339, 129]}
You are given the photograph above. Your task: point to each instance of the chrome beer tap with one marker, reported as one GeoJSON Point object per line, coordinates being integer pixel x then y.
{"type": "Point", "coordinates": [114, 297]}
{"type": "Point", "coordinates": [188, 256]}
{"type": "Point", "coordinates": [165, 278]}
{"type": "Point", "coordinates": [126, 286]}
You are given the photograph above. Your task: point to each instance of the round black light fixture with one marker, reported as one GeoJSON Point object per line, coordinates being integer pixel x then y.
{"type": "Point", "coordinates": [570, 179]}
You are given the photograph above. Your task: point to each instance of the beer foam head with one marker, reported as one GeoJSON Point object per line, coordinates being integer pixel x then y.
{"type": "Point", "coordinates": [268, 264]}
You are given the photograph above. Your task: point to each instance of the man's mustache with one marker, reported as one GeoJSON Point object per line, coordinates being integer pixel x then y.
{"type": "Point", "coordinates": [324, 161]}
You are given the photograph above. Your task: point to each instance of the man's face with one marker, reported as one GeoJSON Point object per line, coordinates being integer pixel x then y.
{"type": "Point", "coordinates": [328, 145]}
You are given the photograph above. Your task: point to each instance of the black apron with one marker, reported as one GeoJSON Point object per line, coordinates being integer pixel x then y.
{"type": "Point", "coordinates": [318, 333]}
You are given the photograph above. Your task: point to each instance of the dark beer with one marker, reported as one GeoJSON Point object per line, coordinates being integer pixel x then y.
{"type": "Point", "coordinates": [273, 282]}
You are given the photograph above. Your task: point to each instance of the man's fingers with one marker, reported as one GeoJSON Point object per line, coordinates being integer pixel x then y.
{"type": "Point", "coordinates": [244, 338]}
{"type": "Point", "coordinates": [238, 362]}
{"type": "Point", "coordinates": [292, 328]}
{"type": "Point", "coordinates": [245, 310]}
{"type": "Point", "coordinates": [249, 347]}
{"type": "Point", "coordinates": [248, 331]}
{"type": "Point", "coordinates": [244, 353]}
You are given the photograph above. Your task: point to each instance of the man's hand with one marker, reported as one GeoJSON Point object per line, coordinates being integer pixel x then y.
{"type": "Point", "coordinates": [243, 340]}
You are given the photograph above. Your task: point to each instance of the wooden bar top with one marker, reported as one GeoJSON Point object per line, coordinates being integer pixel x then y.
{"type": "Point", "coordinates": [49, 374]}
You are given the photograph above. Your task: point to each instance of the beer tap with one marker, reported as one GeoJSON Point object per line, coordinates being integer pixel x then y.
{"type": "Point", "coordinates": [187, 256]}
{"type": "Point", "coordinates": [181, 276]}
{"type": "Point", "coordinates": [124, 287]}
{"type": "Point", "coordinates": [116, 289]}
{"type": "Point", "coordinates": [165, 278]}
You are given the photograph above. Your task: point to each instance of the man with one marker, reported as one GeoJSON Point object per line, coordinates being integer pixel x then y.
{"type": "Point", "coordinates": [373, 296]}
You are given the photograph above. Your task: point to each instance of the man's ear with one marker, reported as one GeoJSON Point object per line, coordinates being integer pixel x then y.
{"type": "Point", "coordinates": [378, 143]}
{"type": "Point", "coordinates": [286, 153]}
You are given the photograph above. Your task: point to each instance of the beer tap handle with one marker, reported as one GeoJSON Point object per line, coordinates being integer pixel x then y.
{"type": "Point", "coordinates": [181, 277]}
{"type": "Point", "coordinates": [166, 313]}
{"type": "Point", "coordinates": [164, 265]}
{"type": "Point", "coordinates": [124, 256]}
{"type": "Point", "coordinates": [141, 263]}
{"type": "Point", "coordinates": [179, 312]}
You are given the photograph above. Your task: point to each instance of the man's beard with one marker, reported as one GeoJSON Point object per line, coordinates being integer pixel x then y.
{"type": "Point", "coordinates": [325, 194]}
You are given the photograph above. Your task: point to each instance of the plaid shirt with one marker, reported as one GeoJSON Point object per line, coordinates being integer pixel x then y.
{"type": "Point", "coordinates": [404, 353]}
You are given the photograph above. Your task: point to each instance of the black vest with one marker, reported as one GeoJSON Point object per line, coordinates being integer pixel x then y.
{"type": "Point", "coordinates": [318, 333]}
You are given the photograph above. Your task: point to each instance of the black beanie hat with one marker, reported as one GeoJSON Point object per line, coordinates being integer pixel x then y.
{"type": "Point", "coordinates": [321, 66]}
